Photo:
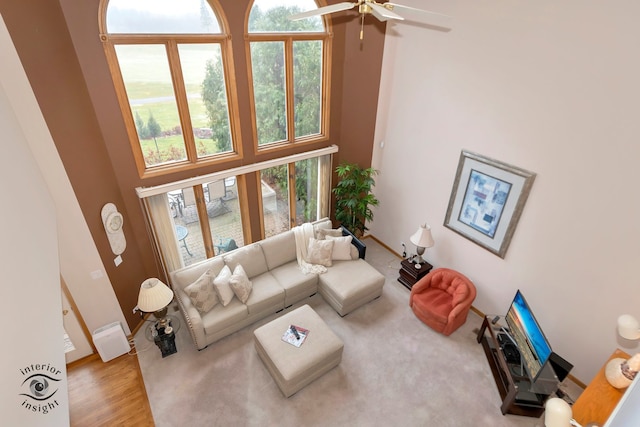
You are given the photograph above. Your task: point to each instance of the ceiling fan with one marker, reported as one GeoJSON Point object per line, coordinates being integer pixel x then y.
{"type": "Point", "coordinates": [382, 11]}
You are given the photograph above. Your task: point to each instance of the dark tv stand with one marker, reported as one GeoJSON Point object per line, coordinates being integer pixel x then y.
{"type": "Point", "coordinates": [519, 396]}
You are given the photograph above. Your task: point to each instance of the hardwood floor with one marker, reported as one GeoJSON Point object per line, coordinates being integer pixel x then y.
{"type": "Point", "coordinates": [108, 394]}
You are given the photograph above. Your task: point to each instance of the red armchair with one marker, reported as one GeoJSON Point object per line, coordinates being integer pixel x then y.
{"type": "Point", "coordinates": [442, 299]}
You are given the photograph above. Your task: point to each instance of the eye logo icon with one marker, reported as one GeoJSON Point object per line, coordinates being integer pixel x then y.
{"type": "Point", "coordinates": [38, 388]}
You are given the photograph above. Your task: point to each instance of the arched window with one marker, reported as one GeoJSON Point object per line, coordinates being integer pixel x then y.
{"type": "Point", "coordinates": [289, 73]}
{"type": "Point", "coordinates": [170, 62]}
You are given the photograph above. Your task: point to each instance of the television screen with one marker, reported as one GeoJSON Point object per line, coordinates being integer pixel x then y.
{"type": "Point", "coordinates": [525, 330]}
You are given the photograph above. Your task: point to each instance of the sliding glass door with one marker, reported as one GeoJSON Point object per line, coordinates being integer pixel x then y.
{"type": "Point", "coordinates": [193, 223]}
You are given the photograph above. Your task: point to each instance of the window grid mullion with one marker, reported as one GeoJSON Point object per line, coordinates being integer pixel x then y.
{"type": "Point", "coordinates": [181, 99]}
{"type": "Point", "coordinates": [288, 53]}
{"type": "Point", "coordinates": [292, 194]}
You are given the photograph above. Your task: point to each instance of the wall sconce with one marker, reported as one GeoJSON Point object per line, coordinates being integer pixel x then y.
{"type": "Point", "coordinates": [422, 239]}
{"type": "Point", "coordinates": [620, 372]}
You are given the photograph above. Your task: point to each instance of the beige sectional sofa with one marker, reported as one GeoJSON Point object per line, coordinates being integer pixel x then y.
{"type": "Point", "coordinates": [277, 282]}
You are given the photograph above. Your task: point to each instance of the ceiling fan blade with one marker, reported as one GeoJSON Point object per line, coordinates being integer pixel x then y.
{"type": "Point", "coordinates": [431, 17]}
{"type": "Point", "coordinates": [338, 7]}
{"type": "Point", "coordinates": [382, 13]}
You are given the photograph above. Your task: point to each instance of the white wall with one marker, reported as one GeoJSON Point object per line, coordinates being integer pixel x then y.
{"type": "Point", "coordinates": [30, 291]}
{"type": "Point", "coordinates": [552, 87]}
{"type": "Point", "coordinates": [44, 235]}
{"type": "Point", "coordinates": [78, 255]}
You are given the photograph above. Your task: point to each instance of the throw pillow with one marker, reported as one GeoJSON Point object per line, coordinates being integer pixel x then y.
{"type": "Point", "coordinates": [322, 233]}
{"type": "Point", "coordinates": [240, 284]}
{"type": "Point", "coordinates": [341, 248]}
{"type": "Point", "coordinates": [319, 252]}
{"type": "Point", "coordinates": [201, 292]}
{"type": "Point", "coordinates": [222, 287]}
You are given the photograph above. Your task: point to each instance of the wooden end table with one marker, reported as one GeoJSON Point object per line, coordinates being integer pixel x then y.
{"type": "Point", "coordinates": [409, 274]}
{"type": "Point", "coordinates": [600, 398]}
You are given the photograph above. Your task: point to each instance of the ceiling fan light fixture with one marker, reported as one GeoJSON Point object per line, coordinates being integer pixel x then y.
{"type": "Point", "coordinates": [365, 9]}
{"type": "Point", "coordinates": [382, 11]}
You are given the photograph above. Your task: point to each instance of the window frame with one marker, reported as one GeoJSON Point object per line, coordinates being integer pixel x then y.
{"type": "Point", "coordinates": [170, 43]}
{"type": "Point", "coordinates": [288, 39]}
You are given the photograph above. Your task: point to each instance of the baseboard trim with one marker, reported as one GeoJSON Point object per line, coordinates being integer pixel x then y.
{"type": "Point", "coordinates": [83, 360]}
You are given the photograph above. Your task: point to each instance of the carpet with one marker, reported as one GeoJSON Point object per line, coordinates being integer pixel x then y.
{"type": "Point", "coordinates": [394, 371]}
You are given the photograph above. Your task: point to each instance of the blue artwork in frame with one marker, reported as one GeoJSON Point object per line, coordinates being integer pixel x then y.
{"type": "Point", "coordinates": [486, 201]}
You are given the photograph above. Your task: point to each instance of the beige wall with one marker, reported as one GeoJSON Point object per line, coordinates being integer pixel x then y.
{"type": "Point", "coordinates": [547, 86]}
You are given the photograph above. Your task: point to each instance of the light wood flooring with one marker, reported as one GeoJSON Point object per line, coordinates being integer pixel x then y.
{"type": "Point", "coordinates": [108, 394]}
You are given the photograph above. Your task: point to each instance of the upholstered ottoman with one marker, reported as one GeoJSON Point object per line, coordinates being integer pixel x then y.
{"type": "Point", "coordinates": [349, 284]}
{"type": "Point", "coordinates": [292, 367]}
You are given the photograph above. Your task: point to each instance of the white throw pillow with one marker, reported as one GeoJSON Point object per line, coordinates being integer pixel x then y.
{"type": "Point", "coordinates": [319, 252]}
{"type": "Point", "coordinates": [341, 248]}
{"type": "Point", "coordinates": [240, 284]}
{"type": "Point", "coordinates": [201, 292]}
{"type": "Point", "coordinates": [222, 287]}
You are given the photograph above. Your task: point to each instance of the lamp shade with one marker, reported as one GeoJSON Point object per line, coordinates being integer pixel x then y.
{"type": "Point", "coordinates": [557, 413]}
{"type": "Point", "coordinates": [628, 327]}
{"type": "Point", "coordinates": [154, 295]}
{"type": "Point", "coordinates": [422, 237]}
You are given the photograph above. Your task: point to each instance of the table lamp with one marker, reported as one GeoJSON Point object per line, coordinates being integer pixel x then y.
{"type": "Point", "coordinates": [422, 239]}
{"type": "Point", "coordinates": [628, 327]}
{"type": "Point", "coordinates": [618, 371]}
{"type": "Point", "coordinates": [557, 413]}
{"type": "Point", "coordinates": [155, 297]}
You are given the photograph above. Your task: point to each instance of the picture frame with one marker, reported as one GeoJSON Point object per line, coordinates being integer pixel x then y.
{"type": "Point", "coordinates": [486, 201]}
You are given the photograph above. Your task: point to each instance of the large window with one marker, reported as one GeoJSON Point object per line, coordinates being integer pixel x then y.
{"type": "Point", "coordinates": [170, 63]}
{"type": "Point", "coordinates": [289, 73]}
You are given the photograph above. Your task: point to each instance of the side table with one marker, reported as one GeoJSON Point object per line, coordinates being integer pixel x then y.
{"type": "Point", "coordinates": [600, 398]}
{"type": "Point", "coordinates": [164, 336]}
{"type": "Point", "coordinates": [409, 274]}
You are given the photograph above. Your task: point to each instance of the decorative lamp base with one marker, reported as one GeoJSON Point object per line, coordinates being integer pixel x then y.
{"type": "Point", "coordinates": [615, 376]}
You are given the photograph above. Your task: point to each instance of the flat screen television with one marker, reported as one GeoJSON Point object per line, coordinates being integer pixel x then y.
{"type": "Point", "coordinates": [534, 348]}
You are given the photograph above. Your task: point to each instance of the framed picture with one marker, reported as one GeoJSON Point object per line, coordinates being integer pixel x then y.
{"type": "Point", "coordinates": [486, 201]}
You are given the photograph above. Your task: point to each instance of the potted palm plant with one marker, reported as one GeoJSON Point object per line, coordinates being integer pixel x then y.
{"type": "Point", "coordinates": [354, 198]}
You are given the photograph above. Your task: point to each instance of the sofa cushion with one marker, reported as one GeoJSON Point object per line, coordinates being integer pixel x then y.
{"type": "Point", "coordinates": [341, 247]}
{"type": "Point", "coordinates": [201, 292]}
{"type": "Point", "coordinates": [349, 284]}
{"type": "Point", "coordinates": [220, 317]}
{"type": "Point", "coordinates": [319, 252]}
{"type": "Point", "coordinates": [266, 294]}
{"type": "Point", "coordinates": [250, 257]}
{"type": "Point", "coordinates": [296, 284]}
{"type": "Point", "coordinates": [279, 249]}
{"type": "Point", "coordinates": [240, 284]}
{"type": "Point", "coordinates": [222, 286]}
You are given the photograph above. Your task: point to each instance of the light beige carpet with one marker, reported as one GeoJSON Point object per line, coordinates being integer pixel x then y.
{"type": "Point", "coordinates": [395, 371]}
